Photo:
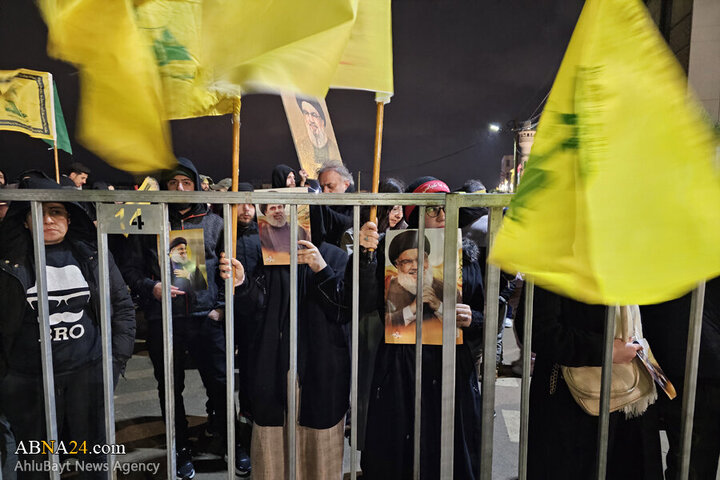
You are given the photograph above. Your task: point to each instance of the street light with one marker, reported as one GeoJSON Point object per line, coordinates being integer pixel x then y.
{"type": "Point", "coordinates": [494, 127]}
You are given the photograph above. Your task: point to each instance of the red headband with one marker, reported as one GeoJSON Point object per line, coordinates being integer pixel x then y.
{"type": "Point", "coordinates": [433, 186]}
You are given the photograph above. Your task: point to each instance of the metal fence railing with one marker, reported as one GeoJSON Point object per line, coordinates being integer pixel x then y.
{"type": "Point", "coordinates": [156, 222]}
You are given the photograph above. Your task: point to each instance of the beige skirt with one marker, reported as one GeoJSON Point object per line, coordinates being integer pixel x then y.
{"type": "Point", "coordinates": [319, 452]}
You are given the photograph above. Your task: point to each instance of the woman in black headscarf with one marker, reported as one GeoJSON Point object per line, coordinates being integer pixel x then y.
{"type": "Point", "coordinates": [284, 176]}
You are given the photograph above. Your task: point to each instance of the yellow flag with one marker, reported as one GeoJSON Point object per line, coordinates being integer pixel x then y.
{"type": "Point", "coordinates": [173, 29]}
{"type": "Point", "coordinates": [210, 53]}
{"type": "Point", "coordinates": [620, 201]}
{"type": "Point", "coordinates": [366, 63]}
{"type": "Point", "coordinates": [26, 103]}
{"type": "Point", "coordinates": [122, 117]}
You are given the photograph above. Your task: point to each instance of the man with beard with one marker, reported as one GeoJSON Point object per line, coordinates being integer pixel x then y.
{"type": "Point", "coordinates": [275, 233]}
{"type": "Point", "coordinates": [78, 174]}
{"type": "Point", "coordinates": [185, 273]}
{"type": "Point", "coordinates": [320, 144]}
{"type": "Point", "coordinates": [72, 272]}
{"type": "Point", "coordinates": [197, 319]}
{"type": "Point", "coordinates": [401, 293]}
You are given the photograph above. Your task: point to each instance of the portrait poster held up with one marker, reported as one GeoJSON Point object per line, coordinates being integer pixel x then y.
{"type": "Point", "coordinates": [187, 260]}
{"type": "Point", "coordinates": [312, 131]}
{"type": "Point", "coordinates": [401, 267]}
{"type": "Point", "coordinates": [274, 227]}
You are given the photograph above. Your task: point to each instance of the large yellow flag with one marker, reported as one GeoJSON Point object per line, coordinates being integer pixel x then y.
{"type": "Point", "coordinates": [211, 52]}
{"type": "Point", "coordinates": [366, 63]}
{"type": "Point", "coordinates": [122, 118]}
{"type": "Point", "coordinates": [173, 30]}
{"type": "Point", "coordinates": [620, 201]}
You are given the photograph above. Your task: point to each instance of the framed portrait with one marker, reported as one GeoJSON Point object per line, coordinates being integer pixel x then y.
{"type": "Point", "coordinates": [188, 271]}
{"type": "Point", "coordinates": [402, 262]}
{"type": "Point", "coordinates": [312, 132]}
{"type": "Point", "coordinates": [274, 227]}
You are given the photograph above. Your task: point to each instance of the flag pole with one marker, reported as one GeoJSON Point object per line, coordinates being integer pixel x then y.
{"type": "Point", "coordinates": [51, 82]}
{"type": "Point", "coordinates": [235, 167]}
{"type": "Point", "coordinates": [57, 165]}
{"type": "Point", "coordinates": [376, 163]}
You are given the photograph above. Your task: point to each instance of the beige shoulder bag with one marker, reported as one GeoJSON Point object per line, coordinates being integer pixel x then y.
{"type": "Point", "coordinates": [632, 388]}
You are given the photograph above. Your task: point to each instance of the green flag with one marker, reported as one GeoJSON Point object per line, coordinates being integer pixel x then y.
{"type": "Point", "coordinates": [61, 133]}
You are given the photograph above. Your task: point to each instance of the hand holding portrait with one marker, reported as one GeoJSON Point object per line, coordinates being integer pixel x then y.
{"type": "Point", "coordinates": [311, 256]}
{"type": "Point", "coordinates": [237, 269]}
{"type": "Point", "coordinates": [463, 315]}
{"type": "Point", "coordinates": [174, 291]}
{"type": "Point", "coordinates": [624, 352]}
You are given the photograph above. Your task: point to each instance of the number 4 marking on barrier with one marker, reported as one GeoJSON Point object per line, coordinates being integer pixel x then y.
{"type": "Point", "coordinates": [136, 219]}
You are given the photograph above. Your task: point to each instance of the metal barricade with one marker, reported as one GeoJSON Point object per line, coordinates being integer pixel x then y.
{"type": "Point", "coordinates": [452, 203]}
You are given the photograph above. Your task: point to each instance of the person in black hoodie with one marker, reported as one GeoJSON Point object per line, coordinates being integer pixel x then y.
{"type": "Point", "coordinates": [74, 316]}
{"type": "Point", "coordinates": [198, 327]}
{"type": "Point", "coordinates": [284, 176]}
{"type": "Point", "coordinates": [388, 449]}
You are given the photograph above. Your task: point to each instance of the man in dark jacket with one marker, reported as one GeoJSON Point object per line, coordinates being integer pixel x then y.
{"type": "Point", "coordinates": [198, 327]}
{"type": "Point", "coordinates": [74, 316]}
{"type": "Point", "coordinates": [249, 252]}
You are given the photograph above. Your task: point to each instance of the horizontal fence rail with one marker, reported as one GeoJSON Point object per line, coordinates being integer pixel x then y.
{"type": "Point", "coordinates": [452, 203]}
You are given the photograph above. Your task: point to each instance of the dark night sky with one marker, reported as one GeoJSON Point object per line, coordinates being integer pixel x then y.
{"type": "Point", "coordinates": [459, 65]}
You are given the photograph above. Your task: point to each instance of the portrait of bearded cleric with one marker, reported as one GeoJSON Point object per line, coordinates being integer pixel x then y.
{"type": "Point", "coordinates": [187, 260]}
{"type": "Point", "coordinates": [312, 131]}
{"type": "Point", "coordinates": [403, 261]}
{"type": "Point", "coordinates": [274, 228]}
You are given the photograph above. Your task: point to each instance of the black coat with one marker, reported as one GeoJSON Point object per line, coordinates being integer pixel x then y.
{"type": "Point", "coordinates": [247, 311]}
{"type": "Point", "coordinates": [388, 450]}
{"type": "Point", "coordinates": [17, 274]}
{"type": "Point", "coordinates": [562, 437]}
{"type": "Point", "coordinates": [665, 325]}
{"type": "Point", "coordinates": [323, 354]}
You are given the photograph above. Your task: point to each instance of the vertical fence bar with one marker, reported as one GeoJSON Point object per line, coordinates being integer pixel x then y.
{"type": "Point", "coordinates": [604, 417]}
{"type": "Point", "coordinates": [168, 359]}
{"type": "Point", "coordinates": [229, 344]}
{"type": "Point", "coordinates": [44, 326]}
{"type": "Point", "coordinates": [292, 374]}
{"type": "Point", "coordinates": [525, 382]}
{"type": "Point", "coordinates": [106, 337]}
{"type": "Point", "coordinates": [417, 429]}
{"type": "Point", "coordinates": [492, 297]}
{"type": "Point", "coordinates": [355, 339]}
{"type": "Point", "coordinates": [447, 415]}
{"type": "Point", "coordinates": [691, 369]}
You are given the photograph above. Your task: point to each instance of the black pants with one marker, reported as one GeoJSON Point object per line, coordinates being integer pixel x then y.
{"type": "Point", "coordinates": [705, 449]}
{"type": "Point", "coordinates": [79, 409]}
{"type": "Point", "coordinates": [204, 340]}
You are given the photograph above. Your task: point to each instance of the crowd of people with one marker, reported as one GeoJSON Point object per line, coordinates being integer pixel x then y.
{"type": "Point", "coordinates": [563, 437]}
